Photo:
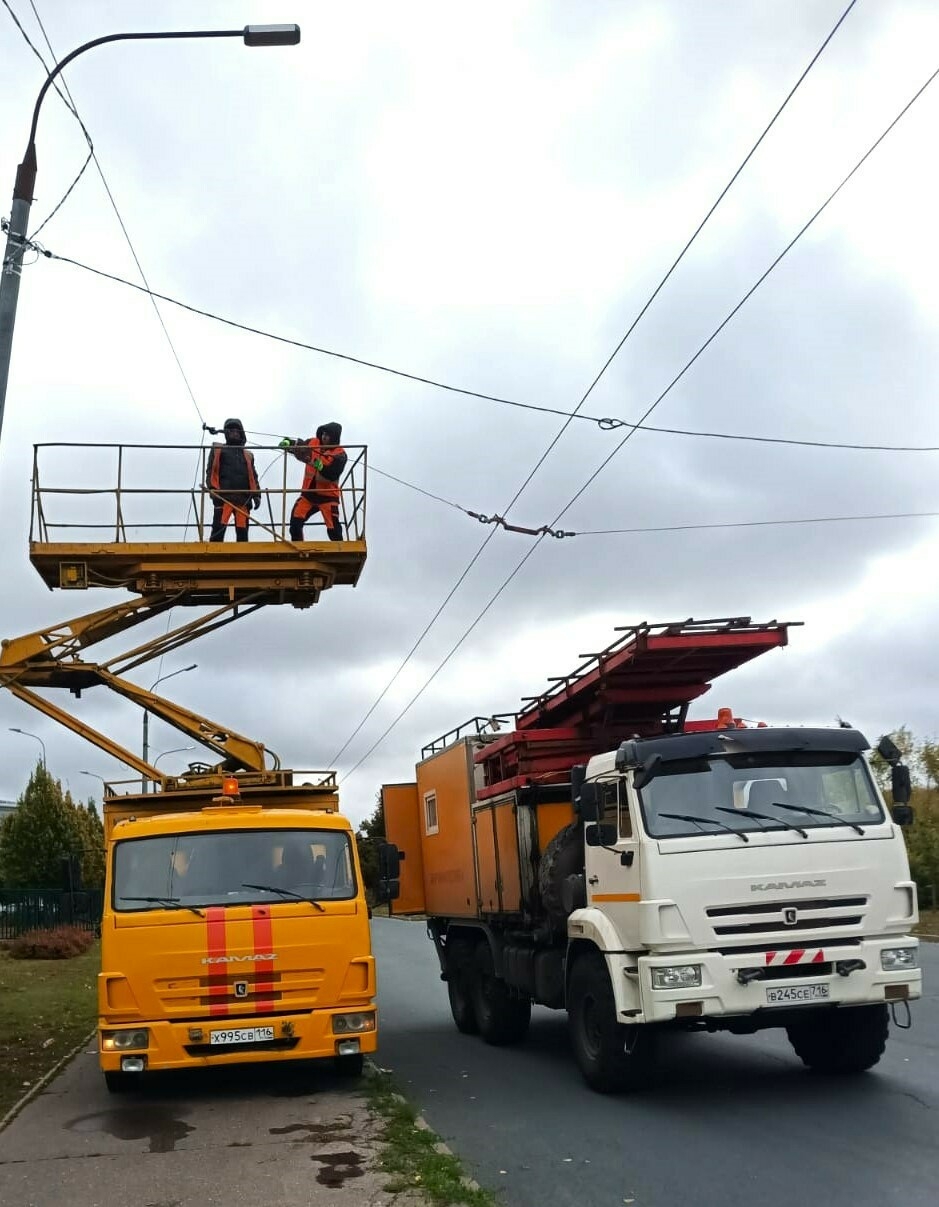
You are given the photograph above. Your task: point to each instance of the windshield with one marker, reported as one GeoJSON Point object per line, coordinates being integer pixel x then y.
{"type": "Point", "coordinates": [746, 793]}
{"type": "Point", "coordinates": [191, 870]}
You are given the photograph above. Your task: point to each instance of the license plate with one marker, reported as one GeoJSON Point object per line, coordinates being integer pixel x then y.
{"type": "Point", "coordinates": [790, 995]}
{"type": "Point", "coordinates": [243, 1035]}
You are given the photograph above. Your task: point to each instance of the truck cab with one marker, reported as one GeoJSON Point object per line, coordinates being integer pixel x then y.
{"type": "Point", "coordinates": [235, 929]}
{"type": "Point", "coordinates": [749, 878]}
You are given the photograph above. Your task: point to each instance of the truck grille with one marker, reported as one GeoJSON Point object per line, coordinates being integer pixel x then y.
{"type": "Point", "coordinates": [766, 917]}
{"type": "Point", "coordinates": [290, 990]}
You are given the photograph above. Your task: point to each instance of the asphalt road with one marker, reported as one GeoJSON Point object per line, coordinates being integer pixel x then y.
{"type": "Point", "coordinates": [733, 1120]}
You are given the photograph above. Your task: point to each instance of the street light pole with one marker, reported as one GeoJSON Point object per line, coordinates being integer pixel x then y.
{"type": "Point", "coordinates": [175, 750]}
{"type": "Point", "coordinates": [144, 782]}
{"type": "Point", "coordinates": [17, 232]}
{"type": "Point", "coordinates": [27, 734]}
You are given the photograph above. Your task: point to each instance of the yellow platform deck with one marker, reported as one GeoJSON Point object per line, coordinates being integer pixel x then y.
{"type": "Point", "coordinates": [199, 573]}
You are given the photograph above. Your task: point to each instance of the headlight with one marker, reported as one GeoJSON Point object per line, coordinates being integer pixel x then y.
{"type": "Point", "coordinates": [677, 976]}
{"type": "Point", "coordinates": [895, 959]}
{"type": "Point", "coordinates": [120, 1041]}
{"type": "Point", "coordinates": [360, 1021]}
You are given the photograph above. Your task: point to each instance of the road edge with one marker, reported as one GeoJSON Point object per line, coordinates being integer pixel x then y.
{"type": "Point", "coordinates": [43, 1081]}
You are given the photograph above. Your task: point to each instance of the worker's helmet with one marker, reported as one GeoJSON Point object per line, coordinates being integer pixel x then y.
{"type": "Point", "coordinates": [234, 432]}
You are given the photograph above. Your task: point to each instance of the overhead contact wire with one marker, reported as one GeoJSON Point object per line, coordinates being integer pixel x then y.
{"type": "Point", "coordinates": [919, 92]}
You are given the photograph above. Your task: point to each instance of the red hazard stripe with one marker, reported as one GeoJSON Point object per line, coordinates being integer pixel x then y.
{"type": "Point", "coordinates": [263, 945]}
{"type": "Point", "coordinates": [794, 957]}
{"type": "Point", "coordinates": [215, 946]}
{"type": "Point", "coordinates": [818, 958]}
{"type": "Point", "coordinates": [770, 956]}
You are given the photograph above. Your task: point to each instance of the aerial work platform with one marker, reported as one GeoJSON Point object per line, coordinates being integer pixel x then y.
{"type": "Point", "coordinates": [138, 517]}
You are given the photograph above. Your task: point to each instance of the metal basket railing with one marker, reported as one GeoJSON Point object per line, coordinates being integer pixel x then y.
{"type": "Point", "coordinates": [142, 493]}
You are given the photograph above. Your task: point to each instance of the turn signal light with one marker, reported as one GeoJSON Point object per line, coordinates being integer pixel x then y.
{"type": "Point", "coordinates": [230, 786]}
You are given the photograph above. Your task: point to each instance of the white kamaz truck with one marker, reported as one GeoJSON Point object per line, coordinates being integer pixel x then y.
{"type": "Point", "coordinates": [709, 875]}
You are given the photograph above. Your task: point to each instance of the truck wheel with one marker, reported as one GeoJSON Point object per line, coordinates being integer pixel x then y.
{"type": "Point", "coordinates": [350, 1066]}
{"type": "Point", "coordinates": [459, 985]}
{"type": "Point", "coordinates": [502, 1017]}
{"type": "Point", "coordinates": [850, 1039]}
{"type": "Point", "coordinates": [120, 1083]}
{"type": "Point", "coordinates": [612, 1057]}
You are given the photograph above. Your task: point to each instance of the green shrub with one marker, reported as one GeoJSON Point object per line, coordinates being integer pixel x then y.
{"type": "Point", "coordinates": [59, 944]}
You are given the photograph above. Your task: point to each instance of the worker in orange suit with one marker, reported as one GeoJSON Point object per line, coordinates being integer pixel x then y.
{"type": "Point", "coordinates": [324, 460]}
{"type": "Point", "coordinates": [232, 481]}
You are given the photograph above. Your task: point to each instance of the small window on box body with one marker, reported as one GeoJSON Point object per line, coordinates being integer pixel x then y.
{"type": "Point", "coordinates": [430, 813]}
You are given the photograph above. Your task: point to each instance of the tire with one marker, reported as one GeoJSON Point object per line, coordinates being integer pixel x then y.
{"type": "Point", "coordinates": [121, 1083]}
{"type": "Point", "coordinates": [612, 1057]}
{"type": "Point", "coordinates": [563, 857]}
{"type": "Point", "coordinates": [849, 1039]}
{"type": "Point", "coordinates": [501, 1015]}
{"type": "Point", "coordinates": [350, 1066]}
{"type": "Point", "coordinates": [459, 957]}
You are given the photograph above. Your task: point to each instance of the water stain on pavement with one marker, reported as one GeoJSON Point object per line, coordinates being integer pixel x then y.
{"type": "Point", "coordinates": [338, 1167]}
{"type": "Point", "coordinates": [313, 1132]}
{"type": "Point", "coordinates": [153, 1123]}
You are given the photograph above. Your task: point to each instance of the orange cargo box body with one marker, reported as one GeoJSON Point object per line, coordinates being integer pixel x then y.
{"type": "Point", "coordinates": [445, 798]}
{"type": "Point", "coordinates": [466, 858]}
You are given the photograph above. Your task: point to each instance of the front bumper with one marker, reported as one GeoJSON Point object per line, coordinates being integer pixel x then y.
{"type": "Point", "coordinates": [175, 1045]}
{"type": "Point", "coordinates": [722, 994]}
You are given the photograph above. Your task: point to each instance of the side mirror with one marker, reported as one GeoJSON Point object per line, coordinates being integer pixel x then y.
{"type": "Point", "coordinates": [903, 815]}
{"type": "Point", "coordinates": [588, 803]}
{"type": "Point", "coordinates": [888, 750]}
{"type": "Point", "coordinates": [900, 787]}
{"type": "Point", "coordinates": [600, 835]}
{"type": "Point", "coordinates": [389, 870]}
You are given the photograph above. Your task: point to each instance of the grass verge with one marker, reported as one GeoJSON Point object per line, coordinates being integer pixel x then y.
{"type": "Point", "coordinates": [928, 922]}
{"type": "Point", "coordinates": [411, 1153]}
{"type": "Point", "coordinates": [46, 1008]}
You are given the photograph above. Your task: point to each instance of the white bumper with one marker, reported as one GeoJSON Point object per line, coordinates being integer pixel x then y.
{"type": "Point", "coordinates": [722, 992]}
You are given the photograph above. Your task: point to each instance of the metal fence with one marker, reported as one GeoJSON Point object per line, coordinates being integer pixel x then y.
{"type": "Point", "coordinates": [22, 910]}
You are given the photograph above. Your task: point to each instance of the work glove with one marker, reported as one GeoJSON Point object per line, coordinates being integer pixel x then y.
{"type": "Point", "coordinates": [318, 463]}
{"type": "Point", "coordinates": [286, 443]}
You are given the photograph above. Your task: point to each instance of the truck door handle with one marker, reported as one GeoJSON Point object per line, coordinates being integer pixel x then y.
{"type": "Point", "coordinates": [594, 880]}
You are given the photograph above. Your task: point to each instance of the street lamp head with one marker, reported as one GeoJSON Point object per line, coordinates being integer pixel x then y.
{"type": "Point", "coordinates": [272, 35]}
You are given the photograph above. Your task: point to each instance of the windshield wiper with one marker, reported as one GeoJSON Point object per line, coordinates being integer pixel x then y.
{"type": "Point", "coordinates": [817, 813]}
{"type": "Point", "coordinates": [167, 903]}
{"type": "Point", "coordinates": [777, 821]}
{"type": "Point", "coordinates": [711, 821]}
{"type": "Point", "coordinates": [285, 892]}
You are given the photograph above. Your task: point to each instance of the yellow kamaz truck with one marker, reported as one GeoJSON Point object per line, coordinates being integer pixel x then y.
{"type": "Point", "coordinates": [235, 928]}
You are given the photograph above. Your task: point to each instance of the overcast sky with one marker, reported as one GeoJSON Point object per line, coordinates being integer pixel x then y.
{"type": "Point", "coordinates": [486, 194]}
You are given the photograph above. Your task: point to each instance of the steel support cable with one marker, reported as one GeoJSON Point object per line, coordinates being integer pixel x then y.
{"type": "Point", "coordinates": [919, 92]}
{"type": "Point", "coordinates": [606, 423]}
{"type": "Point", "coordinates": [549, 530]}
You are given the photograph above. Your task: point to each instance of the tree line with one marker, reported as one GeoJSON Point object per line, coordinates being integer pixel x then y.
{"type": "Point", "coordinates": [50, 840]}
